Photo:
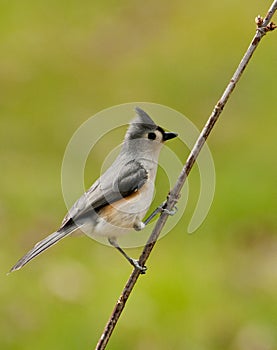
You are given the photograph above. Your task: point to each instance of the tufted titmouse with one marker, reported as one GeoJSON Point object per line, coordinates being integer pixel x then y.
{"type": "Point", "coordinates": [120, 198]}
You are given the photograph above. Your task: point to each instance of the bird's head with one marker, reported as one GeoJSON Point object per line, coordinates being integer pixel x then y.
{"type": "Point", "coordinates": [143, 127]}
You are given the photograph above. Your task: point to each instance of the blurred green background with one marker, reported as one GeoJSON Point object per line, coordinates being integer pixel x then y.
{"type": "Point", "coordinates": [63, 61]}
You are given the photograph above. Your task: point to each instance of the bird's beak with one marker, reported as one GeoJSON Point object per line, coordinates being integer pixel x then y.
{"type": "Point", "coordinates": [169, 135]}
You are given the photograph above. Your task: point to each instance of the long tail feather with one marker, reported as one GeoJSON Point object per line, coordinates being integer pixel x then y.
{"type": "Point", "coordinates": [43, 245]}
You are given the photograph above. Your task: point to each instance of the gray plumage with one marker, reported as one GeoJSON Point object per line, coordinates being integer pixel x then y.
{"type": "Point", "coordinates": [139, 125]}
{"type": "Point", "coordinates": [110, 206]}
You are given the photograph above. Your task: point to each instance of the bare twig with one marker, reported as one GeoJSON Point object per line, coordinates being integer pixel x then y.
{"type": "Point", "coordinates": [263, 26]}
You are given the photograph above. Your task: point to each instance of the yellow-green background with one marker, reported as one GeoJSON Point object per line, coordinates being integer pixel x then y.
{"type": "Point", "coordinates": [63, 61]}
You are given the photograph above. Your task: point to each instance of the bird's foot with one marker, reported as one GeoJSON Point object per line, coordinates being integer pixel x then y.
{"type": "Point", "coordinates": [137, 265]}
{"type": "Point", "coordinates": [170, 212]}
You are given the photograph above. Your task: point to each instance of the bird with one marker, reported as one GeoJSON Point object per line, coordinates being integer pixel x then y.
{"type": "Point", "coordinates": [117, 202]}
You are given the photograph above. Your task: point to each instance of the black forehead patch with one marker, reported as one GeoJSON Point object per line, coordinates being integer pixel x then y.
{"type": "Point", "coordinates": [161, 130]}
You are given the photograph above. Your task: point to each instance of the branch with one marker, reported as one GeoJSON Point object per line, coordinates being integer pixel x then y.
{"type": "Point", "coordinates": [263, 26]}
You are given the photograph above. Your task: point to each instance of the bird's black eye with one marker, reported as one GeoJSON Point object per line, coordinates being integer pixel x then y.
{"type": "Point", "coordinates": [151, 136]}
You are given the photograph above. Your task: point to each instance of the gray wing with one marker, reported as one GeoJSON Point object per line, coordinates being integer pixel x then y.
{"type": "Point", "coordinates": [108, 189]}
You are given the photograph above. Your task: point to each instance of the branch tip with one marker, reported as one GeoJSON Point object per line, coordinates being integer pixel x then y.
{"type": "Point", "coordinates": [261, 27]}
{"type": "Point", "coordinates": [271, 26]}
{"type": "Point", "coordinates": [259, 21]}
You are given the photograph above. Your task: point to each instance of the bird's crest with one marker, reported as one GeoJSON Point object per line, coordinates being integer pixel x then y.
{"type": "Point", "coordinates": [140, 124]}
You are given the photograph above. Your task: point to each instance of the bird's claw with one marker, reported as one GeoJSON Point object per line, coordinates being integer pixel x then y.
{"type": "Point", "coordinates": [137, 265]}
{"type": "Point", "coordinates": [170, 212]}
